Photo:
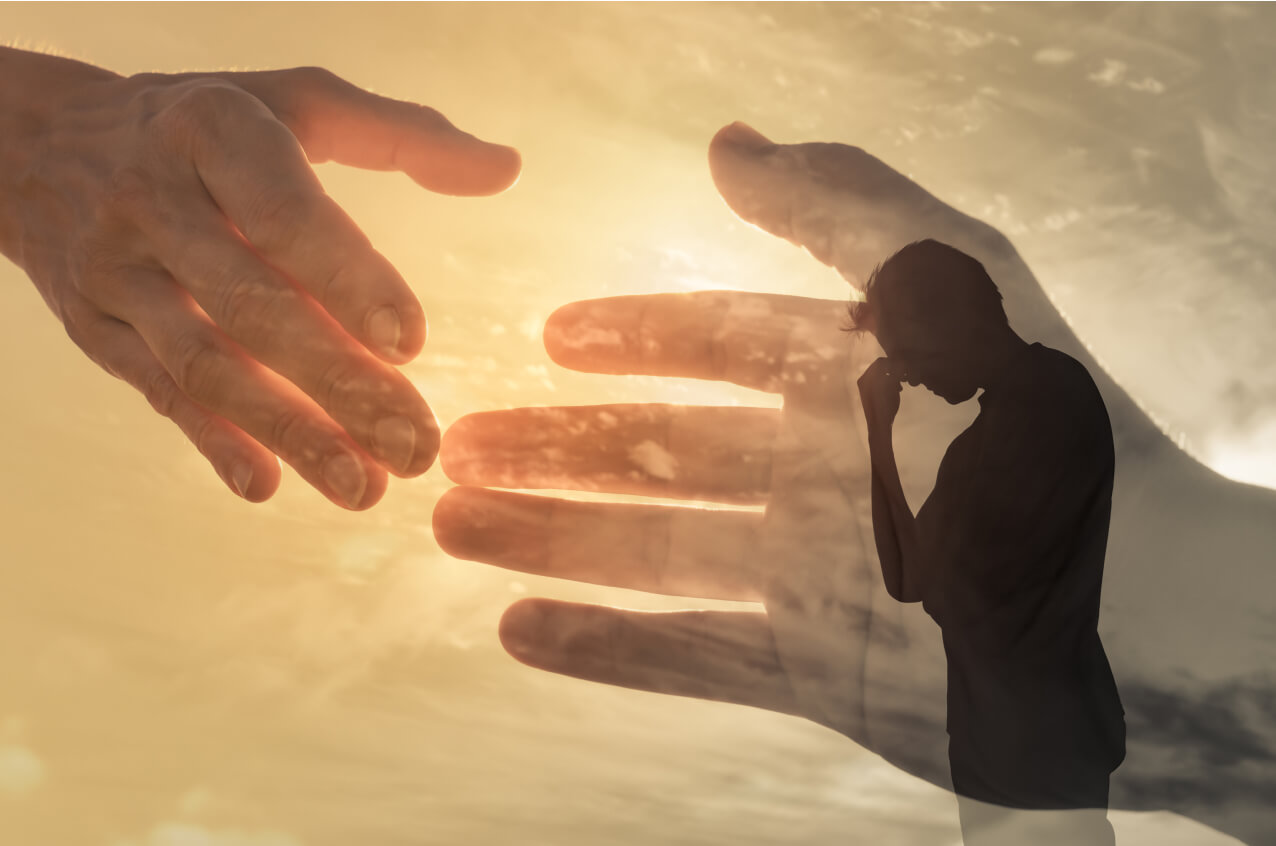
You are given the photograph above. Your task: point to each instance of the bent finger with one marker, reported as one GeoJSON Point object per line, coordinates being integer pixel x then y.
{"type": "Point", "coordinates": [661, 549]}
{"type": "Point", "coordinates": [255, 172]}
{"type": "Point", "coordinates": [718, 655]}
{"type": "Point", "coordinates": [243, 465]}
{"type": "Point", "coordinates": [286, 330]}
{"type": "Point", "coordinates": [720, 454]}
{"type": "Point", "coordinates": [219, 376]}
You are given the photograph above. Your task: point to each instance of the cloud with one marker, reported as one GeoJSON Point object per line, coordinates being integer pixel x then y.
{"type": "Point", "coordinates": [1208, 749]}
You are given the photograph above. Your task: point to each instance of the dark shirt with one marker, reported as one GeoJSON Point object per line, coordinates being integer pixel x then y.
{"type": "Point", "coordinates": [1014, 537]}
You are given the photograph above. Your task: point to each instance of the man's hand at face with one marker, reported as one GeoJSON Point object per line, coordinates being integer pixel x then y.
{"type": "Point", "coordinates": [175, 226]}
{"type": "Point", "coordinates": [880, 390]}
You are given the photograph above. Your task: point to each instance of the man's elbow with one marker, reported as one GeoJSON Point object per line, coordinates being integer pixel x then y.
{"type": "Point", "coordinates": [907, 595]}
{"type": "Point", "coordinates": [901, 592]}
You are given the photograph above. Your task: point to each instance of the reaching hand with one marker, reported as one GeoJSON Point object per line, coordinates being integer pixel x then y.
{"type": "Point", "coordinates": [831, 645]}
{"type": "Point", "coordinates": [173, 224]}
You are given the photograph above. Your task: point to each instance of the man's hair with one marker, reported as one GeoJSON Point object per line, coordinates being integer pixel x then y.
{"type": "Point", "coordinates": [932, 275]}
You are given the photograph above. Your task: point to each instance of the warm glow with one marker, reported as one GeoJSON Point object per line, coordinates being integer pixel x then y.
{"type": "Point", "coordinates": [181, 668]}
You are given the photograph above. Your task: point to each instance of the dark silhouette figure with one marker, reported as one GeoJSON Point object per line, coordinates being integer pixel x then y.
{"type": "Point", "coordinates": [1006, 554]}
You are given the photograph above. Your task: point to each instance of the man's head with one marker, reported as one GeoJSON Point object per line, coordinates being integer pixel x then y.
{"type": "Point", "coordinates": [937, 315]}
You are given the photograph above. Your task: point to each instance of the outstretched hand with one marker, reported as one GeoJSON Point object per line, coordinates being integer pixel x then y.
{"type": "Point", "coordinates": [830, 644]}
{"type": "Point", "coordinates": [828, 625]}
{"type": "Point", "coordinates": [174, 225]}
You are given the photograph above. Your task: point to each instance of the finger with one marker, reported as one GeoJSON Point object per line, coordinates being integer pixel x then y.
{"type": "Point", "coordinates": [219, 376]}
{"type": "Point", "coordinates": [284, 328]}
{"type": "Point", "coordinates": [688, 452]}
{"type": "Point", "coordinates": [337, 121]}
{"type": "Point", "coordinates": [243, 465]}
{"type": "Point", "coordinates": [847, 208]}
{"type": "Point", "coordinates": [723, 656]}
{"type": "Point", "coordinates": [756, 340]}
{"type": "Point", "coordinates": [676, 551]}
{"type": "Point", "coordinates": [257, 175]}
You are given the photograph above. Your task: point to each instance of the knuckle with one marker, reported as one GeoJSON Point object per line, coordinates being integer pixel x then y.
{"type": "Point", "coordinates": [76, 333]}
{"type": "Point", "coordinates": [236, 305]}
{"type": "Point", "coordinates": [129, 189]}
{"type": "Point", "coordinates": [95, 267]}
{"type": "Point", "coordinates": [250, 307]}
{"type": "Point", "coordinates": [279, 218]}
{"type": "Point", "coordinates": [288, 430]}
{"type": "Point", "coordinates": [80, 325]}
{"type": "Point", "coordinates": [160, 391]}
{"type": "Point", "coordinates": [200, 108]}
{"type": "Point", "coordinates": [316, 78]}
{"type": "Point", "coordinates": [199, 365]}
{"type": "Point", "coordinates": [431, 118]}
{"type": "Point", "coordinates": [152, 93]}
{"type": "Point", "coordinates": [197, 429]}
{"type": "Point", "coordinates": [337, 385]}
{"type": "Point", "coordinates": [343, 283]}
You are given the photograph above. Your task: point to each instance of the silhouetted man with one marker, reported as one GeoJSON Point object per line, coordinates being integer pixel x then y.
{"type": "Point", "coordinates": [1007, 552]}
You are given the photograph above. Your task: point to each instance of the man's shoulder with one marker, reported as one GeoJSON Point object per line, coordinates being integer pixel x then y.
{"type": "Point", "coordinates": [1059, 375]}
{"type": "Point", "coordinates": [1058, 395]}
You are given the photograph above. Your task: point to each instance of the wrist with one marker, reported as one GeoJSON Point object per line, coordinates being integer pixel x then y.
{"type": "Point", "coordinates": [880, 433]}
{"type": "Point", "coordinates": [33, 89]}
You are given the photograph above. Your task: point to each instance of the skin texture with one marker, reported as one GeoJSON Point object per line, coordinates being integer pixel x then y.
{"type": "Point", "coordinates": [174, 226]}
{"type": "Point", "coordinates": [1187, 641]}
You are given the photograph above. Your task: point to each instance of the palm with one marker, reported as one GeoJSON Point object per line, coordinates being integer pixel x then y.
{"type": "Point", "coordinates": [831, 645]}
{"type": "Point", "coordinates": [809, 558]}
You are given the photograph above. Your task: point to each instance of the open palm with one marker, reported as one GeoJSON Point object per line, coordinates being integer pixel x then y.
{"type": "Point", "coordinates": [831, 645]}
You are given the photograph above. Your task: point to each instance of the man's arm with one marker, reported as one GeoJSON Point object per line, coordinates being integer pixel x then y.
{"type": "Point", "coordinates": [894, 526]}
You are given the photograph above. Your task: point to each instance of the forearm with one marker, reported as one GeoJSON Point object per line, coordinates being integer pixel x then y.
{"type": "Point", "coordinates": [32, 88]}
{"type": "Point", "coordinates": [894, 526]}
{"type": "Point", "coordinates": [888, 551]}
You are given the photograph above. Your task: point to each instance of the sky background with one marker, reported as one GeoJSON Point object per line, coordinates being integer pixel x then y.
{"type": "Point", "coordinates": [180, 668]}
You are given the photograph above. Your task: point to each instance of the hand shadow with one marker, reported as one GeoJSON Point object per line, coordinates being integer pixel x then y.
{"type": "Point", "coordinates": [1186, 590]}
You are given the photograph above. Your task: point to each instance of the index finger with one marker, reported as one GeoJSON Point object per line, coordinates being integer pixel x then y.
{"type": "Point", "coordinates": [757, 341]}
{"type": "Point", "coordinates": [256, 172]}
{"type": "Point", "coordinates": [847, 208]}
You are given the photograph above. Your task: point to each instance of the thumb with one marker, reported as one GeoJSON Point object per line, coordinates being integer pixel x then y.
{"type": "Point", "coordinates": [337, 121]}
{"type": "Point", "coordinates": [847, 208]}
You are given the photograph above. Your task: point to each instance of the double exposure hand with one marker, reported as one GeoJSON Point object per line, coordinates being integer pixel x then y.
{"type": "Point", "coordinates": [826, 623]}
{"type": "Point", "coordinates": [174, 225]}
{"type": "Point", "coordinates": [827, 642]}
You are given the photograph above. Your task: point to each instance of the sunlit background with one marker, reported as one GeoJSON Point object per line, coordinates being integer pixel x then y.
{"type": "Point", "coordinates": [179, 668]}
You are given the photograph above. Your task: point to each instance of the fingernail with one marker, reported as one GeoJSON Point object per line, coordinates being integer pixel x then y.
{"type": "Point", "coordinates": [241, 476]}
{"type": "Point", "coordinates": [344, 475]}
{"type": "Point", "coordinates": [395, 439]}
{"type": "Point", "coordinates": [384, 329]}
